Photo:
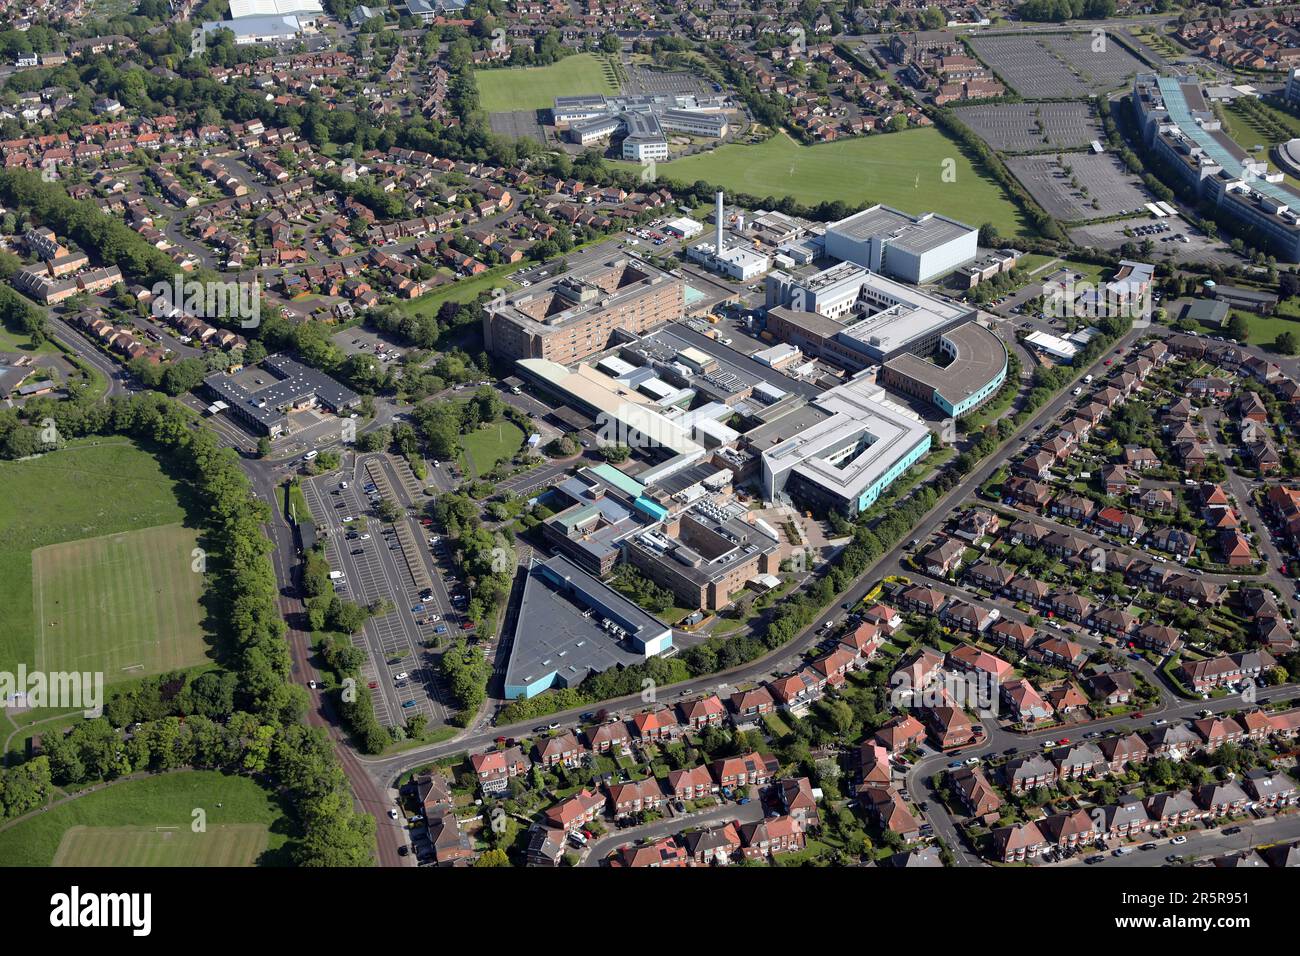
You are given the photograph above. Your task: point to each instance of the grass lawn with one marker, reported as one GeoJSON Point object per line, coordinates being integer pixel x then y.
{"type": "Point", "coordinates": [1264, 329]}
{"type": "Point", "coordinates": [1248, 133]}
{"type": "Point", "coordinates": [18, 342]}
{"type": "Point", "coordinates": [119, 824]}
{"type": "Point", "coordinates": [777, 727]}
{"type": "Point", "coordinates": [298, 503]}
{"type": "Point", "coordinates": [126, 604]}
{"type": "Point", "coordinates": [674, 614]}
{"type": "Point", "coordinates": [238, 844]}
{"type": "Point", "coordinates": [904, 170]}
{"type": "Point", "coordinates": [536, 87]}
{"type": "Point", "coordinates": [88, 489]}
{"type": "Point", "coordinates": [462, 291]}
{"type": "Point", "coordinates": [491, 444]}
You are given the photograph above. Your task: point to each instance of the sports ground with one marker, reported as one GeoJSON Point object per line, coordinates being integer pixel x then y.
{"type": "Point", "coordinates": [536, 87]}
{"type": "Point", "coordinates": [905, 170]}
{"type": "Point", "coordinates": [95, 564]}
{"type": "Point", "coordinates": [124, 604]}
{"type": "Point", "coordinates": [234, 845]}
{"type": "Point", "coordinates": [149, 822]}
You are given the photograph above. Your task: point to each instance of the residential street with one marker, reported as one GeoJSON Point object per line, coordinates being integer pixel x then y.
{"type": "Point", "coordinates": [596, 852]}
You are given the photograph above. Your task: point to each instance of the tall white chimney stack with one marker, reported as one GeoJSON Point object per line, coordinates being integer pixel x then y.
{"type": "Point", "coordinates": [718, 248]}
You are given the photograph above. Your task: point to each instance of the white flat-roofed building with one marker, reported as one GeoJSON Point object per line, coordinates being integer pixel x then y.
{"type": "Point", "coordinates": [886, 318]}
{"type": "Point", "coordinates": [684, 226]}
{"type": "Point", "coordinates": [1053, 345]}
{"type": "Point", "coordinates": [645, 138]}
{"type": "Point", "coordinates": [737, 261]}
{"type": "Point", "coordinates": [593, 129]}
{"type": "Point", "coordinates": [847, 458]}
{"type": "Point", "coordinates": [912, 248]}
{"type": "Point", "coordinates": [911, 324]}
{"type": "Point", "coordinates": [307, 11]}
{"type": "Point", "coordinates": [572, 109]}
{"type": "Point", "coordinates": [779, 356]}
{"type": "Point", "coordinates": [833, 292]}
{"type": "Point", "coordinates": [427, 11]}
{"type": "Point", "coordinates": [695, 122]}
{"type": "Point", "coordinates": [627, 417]}
{"type": "Point", "coordinates": [256, 30]}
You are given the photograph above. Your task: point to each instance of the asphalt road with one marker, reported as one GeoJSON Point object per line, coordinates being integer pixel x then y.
{"type": "Point", "coordinates": [388, 768]}
{"type": "Point", "coordinates": [1201, 844]}
{"type": "Point", "coordinates": [596, 852]}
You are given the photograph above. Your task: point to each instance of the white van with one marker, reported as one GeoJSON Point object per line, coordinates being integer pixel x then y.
{"type": "Point", "coordinates": [336, 575]}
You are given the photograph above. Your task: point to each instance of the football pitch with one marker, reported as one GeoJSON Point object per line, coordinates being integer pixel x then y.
{"type": "Point", "coordinates": [234, 845]}
{"type": "Point", "coordinates": [917, 171]}
{"type": "Point", "coordinates": [148, 822]}
{"type": "Point", "coordinates": [125, 604]}
{"type": "Point", "coordinates": [61, 516]}
{"type": "Point", "coordinates": [536, 87]}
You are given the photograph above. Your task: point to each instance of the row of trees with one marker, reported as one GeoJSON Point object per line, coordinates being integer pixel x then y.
{"type": "Point", "coordinates": [108, 239]}
{"type": "Point", "coordinates": [1058, 11]}
{"type": "Point", "coordinates": [466, 672]}
{"type": "Point", "coordinates": [262, 731]}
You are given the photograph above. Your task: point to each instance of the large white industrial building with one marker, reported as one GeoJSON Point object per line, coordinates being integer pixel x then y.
{"type": "Point", "coordinates": [912, 248]}
{"type": "Point", "coordinates": [268, 21]}
{"type": "Point", "coordinates": [307, 11]}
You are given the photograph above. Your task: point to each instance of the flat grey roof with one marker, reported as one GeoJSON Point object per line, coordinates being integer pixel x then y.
{"type": "Point", "coordinates": [642, 125]}
{"type": "Point", "coordinates": [980, 356]}
{"type": "Point", "coordinates": [915, 234]}
{"type": "Point", "coordinates": [552, 634]}
{"type": "Point", "coordinates": [736, 370]}
{"type": "Point", "coordinates": [295, 382]}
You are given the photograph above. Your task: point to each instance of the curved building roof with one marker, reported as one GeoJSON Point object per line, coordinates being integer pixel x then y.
{"type": "Point", "coordinates": [979, 358]}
